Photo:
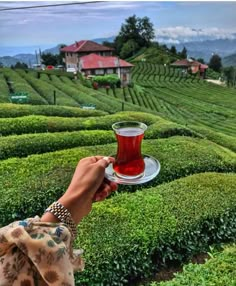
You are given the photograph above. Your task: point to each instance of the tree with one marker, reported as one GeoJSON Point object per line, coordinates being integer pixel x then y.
{"type": "Point", "coordinates": [173, 50]}
{"type": "Point", "coordinates": [183, 54]}
{"type": "Point", "coordinates": [1, 65]}
{"type": "Point", "coordinates": [19, 65]}
{"type": "Point", "coordinates": [201, 60]}
{"type": "Point", "coordinates": [128, 49]}
{"type": "Point", "coordinates": [61, 55]}
{"type": "Point", "coordinates": [49, 59]}
{"type": "Point", "coordinates": [139, 30]}
{"type": "Point", "coordinates": [230, 75]}
{"type": "Point", "coordinates": [215, 63]}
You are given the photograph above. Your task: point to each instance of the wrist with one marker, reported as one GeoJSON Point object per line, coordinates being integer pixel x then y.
{"type": "Point", "coordinates": [58, 212]}
{"type": "Point", "coordinates": [75, 205]}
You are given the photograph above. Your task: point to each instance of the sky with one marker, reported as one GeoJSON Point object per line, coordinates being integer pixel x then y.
{"type": "Point", "coordinates": [173, 21]}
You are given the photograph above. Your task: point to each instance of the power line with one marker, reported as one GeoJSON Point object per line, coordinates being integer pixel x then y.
{"type": "Point", "coordinates": [49, 5]}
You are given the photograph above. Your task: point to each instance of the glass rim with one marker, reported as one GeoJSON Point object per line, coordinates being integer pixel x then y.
{"type": "Point", "coordinates": [122, 124]}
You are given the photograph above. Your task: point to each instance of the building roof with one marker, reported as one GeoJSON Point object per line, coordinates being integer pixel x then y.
{"type": "Point", "coordinates": [93, 61]}
{"type": "Point", "coordinates": [85, 46]}
{"type": "Point", "coordinates": [188, 63]}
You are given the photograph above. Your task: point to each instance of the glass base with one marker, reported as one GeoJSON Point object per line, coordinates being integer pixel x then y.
{"type": "Point", "coordinates": [152, 169]}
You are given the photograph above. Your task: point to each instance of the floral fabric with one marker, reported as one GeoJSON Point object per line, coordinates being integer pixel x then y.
{"type": "Point", "coordinates": [34, 253]}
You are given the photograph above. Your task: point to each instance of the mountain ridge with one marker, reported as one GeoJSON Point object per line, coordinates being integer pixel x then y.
{"type": "Point", "coordinates": [197, 49]}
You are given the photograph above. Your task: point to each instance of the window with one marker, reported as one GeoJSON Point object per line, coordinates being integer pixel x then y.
{"type": "Point", "coordinates": [99, 71]}
{"type": "Point", "coordinates": [109, 71]}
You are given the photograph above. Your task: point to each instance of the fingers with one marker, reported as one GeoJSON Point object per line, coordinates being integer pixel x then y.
{"type": "Point", "coordinates": [105, 190]}
{"type": "Point", "coordinates": [105, 161]}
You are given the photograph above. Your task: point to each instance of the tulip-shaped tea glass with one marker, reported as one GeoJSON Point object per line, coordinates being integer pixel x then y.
{"type": "Point", "coordinates": [131, 167]}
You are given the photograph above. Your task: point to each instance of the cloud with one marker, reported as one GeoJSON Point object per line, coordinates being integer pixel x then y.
{"type": "Point", "coordinates": [186, 34]}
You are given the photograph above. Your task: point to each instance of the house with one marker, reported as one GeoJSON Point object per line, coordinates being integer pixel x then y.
{"type": "Point", "coordinates": [94, 64]}
{"type": "Point", "coordinates": [191, 66]}
{"type": "Point", "coordinates": [78, 49]}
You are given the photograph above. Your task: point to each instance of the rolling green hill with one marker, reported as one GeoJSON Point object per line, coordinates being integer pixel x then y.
{"type": "Point", "coordinates": [130, 236]}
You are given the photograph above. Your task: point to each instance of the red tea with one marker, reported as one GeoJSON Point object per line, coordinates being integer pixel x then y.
{"type": "Point", "coordinates": [129, 160]}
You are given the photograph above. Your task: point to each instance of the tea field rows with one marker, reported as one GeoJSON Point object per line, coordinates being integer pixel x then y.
{"type": "Point", "coordinates": [130, 236]}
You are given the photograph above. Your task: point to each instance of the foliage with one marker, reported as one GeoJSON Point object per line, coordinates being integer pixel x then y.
{"type": "Point", "coordinates": [110, 79]}
{"type": "Point", "coordinates": [183, 54]}
{"type": "Point", "coordinates": [38, 124]}
{"type": "Point", "coordinates": [230, 75]}
{"type": "Point", "coordinates": [35, 176]}
{"type": "Point", "coordinates": [184, 98]}
{"type": "Point", "coordinates": [138, 30]}
{"type": "Point", "coordinates": [19, 65]}
{"type": "Point", "coordinates": [26, 144]}
{"type": "Point", "coordinates": [213, 74]}
{"type": "Point", "coordinates": [53, 59]}
{"type": "Point", "coordinates": [128, 49]}
{"type": "Point", "coordinates": [10, 110]}
{"type": "Point", "coordinates": [220, 269]}
{"type": "Point", "coordinates": [215, 63]}
{"type": "Point", "coordinates": [49, 59]}
{"type": "Point", "coordinates": [162, 224]}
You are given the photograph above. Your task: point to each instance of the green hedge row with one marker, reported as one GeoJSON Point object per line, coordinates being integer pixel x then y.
{"type": "Point", "coordinates": [19, 84]}
{"type": "Point", "coordinates": [217, 137]}
{"type": "Point", "coordinates": [36, 124]}
{"type": "Point", "coordinates": [8, 110]}
{"type": "Point", "coordinates": [4, 91]}
{"type": "Point", "coordinates": [28, 184]}
{"type": "Point", "coordinates": [46, 90]}
{"type": "Point", "coordinates": [84, 98]}
{"type": "Point", "coordinates": [26, 144]}
{"type": "Point", "coordinates": [129, 236]}
{"type": "Point", "coordinates": [220, 270]}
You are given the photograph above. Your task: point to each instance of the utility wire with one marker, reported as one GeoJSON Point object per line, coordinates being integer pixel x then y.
{"type": "Point", "coordinates": [49, 5]}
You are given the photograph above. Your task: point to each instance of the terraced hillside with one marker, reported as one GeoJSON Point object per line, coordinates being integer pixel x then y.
{"type": "Point", "coordinates": [130, 236]}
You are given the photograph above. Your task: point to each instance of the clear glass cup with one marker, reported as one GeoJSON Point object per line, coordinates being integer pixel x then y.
{"type": "Point", "coordinates": [129, 163]}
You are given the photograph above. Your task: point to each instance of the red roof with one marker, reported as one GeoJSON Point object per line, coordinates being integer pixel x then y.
{"type": "Point", "coordinates": [85, 46]}
{"type": "Point", "coordinates": [93, 61]}
{"type": "Point", "coordinates": [188, 63]}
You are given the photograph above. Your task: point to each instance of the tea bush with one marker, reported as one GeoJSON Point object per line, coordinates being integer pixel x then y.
{"type": "Point", "coordinates": [219, 270]}
{"type": "Point", "coordinates": [129, 236]}
{"type": "Point", "coordinates": [217, 137]}
{"type": "Point", "coordinates": [37, 124]}
{"type": "Point", "coordinates": [8, 110]}
{"type": "Point", "coordinates": [28, 184]}
{"type": "Point", "coordinates": [26, 144]}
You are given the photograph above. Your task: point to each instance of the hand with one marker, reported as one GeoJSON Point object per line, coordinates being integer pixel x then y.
{"type": "Point", "coordinates": [87, 185]}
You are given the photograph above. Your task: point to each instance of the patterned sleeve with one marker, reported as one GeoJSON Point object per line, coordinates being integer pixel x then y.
{"type": "Point", "coordinates": [37, 253]}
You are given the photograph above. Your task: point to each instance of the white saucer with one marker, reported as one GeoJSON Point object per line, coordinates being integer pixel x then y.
{"type": "Point", "coordinates": [152, 169]}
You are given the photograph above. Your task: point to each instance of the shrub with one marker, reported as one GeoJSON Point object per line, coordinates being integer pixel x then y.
{"type": "Point", "coordinates": [217, 137]}
{"type": "Point", "coordinates": [26, 144]}
{"type": "Point", "coordinates": [219, 270]}
{"type": "Point", "coordinates": [111, 79]}
{"type": "Point", "coordinates": [15, 110]}
{"type": "Point", "coordinates": [128, 236]}
{"type": "Point", "coordinates": [42, 178]}
{"type": "Point", "coordinates": [38, 124]}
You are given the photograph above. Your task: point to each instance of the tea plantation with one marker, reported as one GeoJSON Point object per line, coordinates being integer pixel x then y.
{"type": "Point", "coordinates": [140, 230]}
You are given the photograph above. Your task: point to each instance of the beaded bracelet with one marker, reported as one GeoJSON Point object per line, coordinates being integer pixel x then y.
{"type": "Point", "coordinates": [59, 211]}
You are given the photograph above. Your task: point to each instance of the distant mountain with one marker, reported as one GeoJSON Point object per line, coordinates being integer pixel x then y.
{"type": "Point", "coordinates": [28, 59]}
{"type": "Point", "coordinates": [54, 50]}
{"type": "Point", "coordinates": [205, 49]}
{"type": "Point", "coordinates": [7, 61]}
{"type": "Point", "coordinates": [229, 60]}
{"type": "Point", "coordinates": [101, 40]}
